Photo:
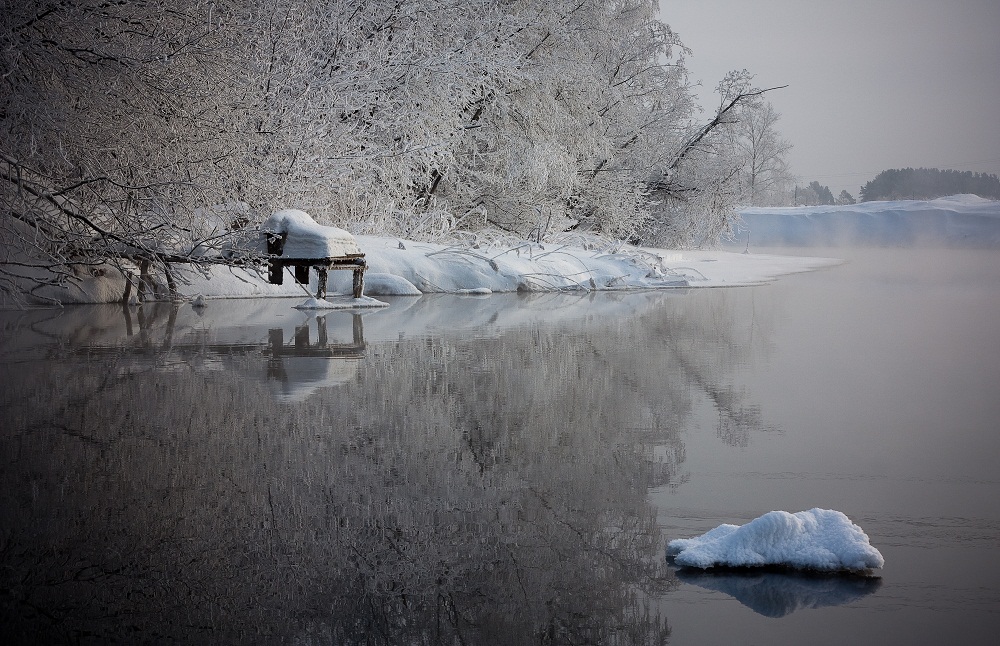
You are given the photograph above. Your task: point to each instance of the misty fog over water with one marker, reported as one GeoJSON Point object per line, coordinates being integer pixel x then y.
{"type": "Point", "coordinates": [506, 469]}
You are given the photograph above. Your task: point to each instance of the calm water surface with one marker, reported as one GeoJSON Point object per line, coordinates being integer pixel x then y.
{"type": "Point", "coordinates": [507, 469]}
{"type": "Point", "coordinates": [878, 385]}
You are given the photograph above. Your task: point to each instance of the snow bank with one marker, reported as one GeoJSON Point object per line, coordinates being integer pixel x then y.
{"type": "Point", "coordinates": [304, 238]}
{"type": "Point", "coordinates": [404, 268]}
{"type": "Point", "coordinates": [425, 268]}
{"type": "Point", "coordinates": [407, 268]}
{"type": "Point", "coordinates": [528, 267]}
{"type": "Point", "coordinates": [956, 221]}
{"type": "Point", "coordinates": [818, 539]}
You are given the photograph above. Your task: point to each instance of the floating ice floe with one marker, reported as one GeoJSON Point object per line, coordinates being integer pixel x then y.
{"type": "Point", "coordinates": [339, 303]}
{"type": "Point", "coordinates": [818, 539]}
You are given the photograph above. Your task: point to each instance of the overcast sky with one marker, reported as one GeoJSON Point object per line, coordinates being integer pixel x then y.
{"type": "Point", "coordinates": [873, 84]}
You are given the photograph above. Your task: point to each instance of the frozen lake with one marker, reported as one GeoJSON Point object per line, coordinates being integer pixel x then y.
{"type": "Point", "coordinates": [506, 469]}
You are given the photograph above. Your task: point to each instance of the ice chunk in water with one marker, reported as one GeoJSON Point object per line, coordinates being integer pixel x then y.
{"type": "Point", "coordinates": [818, 539]}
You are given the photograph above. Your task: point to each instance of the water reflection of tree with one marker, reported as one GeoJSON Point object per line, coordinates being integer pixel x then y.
{"type": "Point", "coordinates": [455, 492]}
{"type": "Point", "coordinates": [710, 337]}
{"type": "Point", "coordinates": [470, 490]}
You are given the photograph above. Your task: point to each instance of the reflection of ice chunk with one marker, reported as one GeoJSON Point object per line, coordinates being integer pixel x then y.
{"type": "Point", "coordinates": [304, 238]}
{"type": "Point", "coordinates": [776, 594]}
{"type": "Point", "coordinates": [818, 539]}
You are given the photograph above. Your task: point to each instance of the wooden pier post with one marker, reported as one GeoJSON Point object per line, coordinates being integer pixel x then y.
{"type": "Point", "coordinates": [359, 280]}
{"type": "Point", "coordinates": [321, 275]}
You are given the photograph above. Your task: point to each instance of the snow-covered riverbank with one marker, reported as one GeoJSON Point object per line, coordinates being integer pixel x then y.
{"type": "Point", "coordinates": [407, 268]}
{"type": "Point", "coordinates": [399, 267]}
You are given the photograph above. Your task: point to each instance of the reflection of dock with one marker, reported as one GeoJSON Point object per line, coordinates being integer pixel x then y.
{"type": "Point", "coordinates": [151, 339]}
{"type": "Point", "coordinates": [298, 359]}
{"type": "Point", "coordinates": [302, 347]}
{"type": "Point", "coordinates": [302, 366]}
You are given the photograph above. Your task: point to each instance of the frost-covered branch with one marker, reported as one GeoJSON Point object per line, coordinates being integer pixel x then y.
{"type": "Point", "coordinates": [142, 126]}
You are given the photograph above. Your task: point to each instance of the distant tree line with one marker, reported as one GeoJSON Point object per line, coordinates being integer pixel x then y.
{"type": "Point", "coordinates": [815, 194]}
{"type": "Point", "coordinates": [928, 183]}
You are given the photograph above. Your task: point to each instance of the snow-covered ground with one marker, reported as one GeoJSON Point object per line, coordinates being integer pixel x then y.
{"type": "Point", "coordinates": [402, 267]}
{"type": "Point", "coordinates": [956, 221]}
{"type": "Point", "coordinates": [407, 268]}
{"type": "Point", "coordinates": [818, 539]}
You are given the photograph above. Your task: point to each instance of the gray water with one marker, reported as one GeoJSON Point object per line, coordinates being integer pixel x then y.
{"type": "Point", "coordinates": [879, 381]}
{"type": "Point", "coordinates": [506, 469]}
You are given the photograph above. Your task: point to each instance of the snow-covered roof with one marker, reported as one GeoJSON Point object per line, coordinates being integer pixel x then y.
{"type": "Point", "coordinates": [818, 539]}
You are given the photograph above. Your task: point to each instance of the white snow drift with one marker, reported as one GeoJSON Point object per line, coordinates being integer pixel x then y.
{"type": "Point", "coordinates": [818, 539]}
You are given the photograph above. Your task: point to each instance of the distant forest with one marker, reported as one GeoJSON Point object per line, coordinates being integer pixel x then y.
{"type": "Point", "coordinates": [929, 183]}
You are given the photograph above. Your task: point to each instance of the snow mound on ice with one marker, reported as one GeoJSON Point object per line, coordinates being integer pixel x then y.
{"type": "Point", "coordinates": [818, 539]}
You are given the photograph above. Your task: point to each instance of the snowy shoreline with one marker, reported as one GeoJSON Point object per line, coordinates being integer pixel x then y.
{"type": "Point", "coordinates": [407, 268]}
{"type": "Point", "coordinates": [399, 267]}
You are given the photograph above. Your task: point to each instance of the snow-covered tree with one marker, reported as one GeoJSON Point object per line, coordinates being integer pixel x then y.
{"type": "Point", "coordinates": [133, 137]}
{"type": "Point", "coordinates": [765, 174]}
{"type": "Point", "coordinates": [118, 123]}
{"type": "Point", "coordinates": [694, 196]}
